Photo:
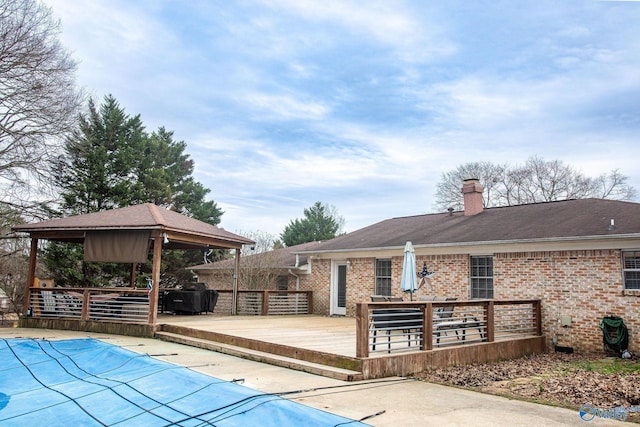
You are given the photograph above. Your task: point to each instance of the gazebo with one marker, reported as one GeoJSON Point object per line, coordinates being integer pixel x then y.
{"type": "Point", "coordinates": [123, 235]}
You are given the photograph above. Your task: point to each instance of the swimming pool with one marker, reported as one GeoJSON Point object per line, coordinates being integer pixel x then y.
{"type": "Point", "coordinates": [87, 382]}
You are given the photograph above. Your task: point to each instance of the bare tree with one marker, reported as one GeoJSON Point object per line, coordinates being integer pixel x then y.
{"type": "Point", "coordinates": [545, 181]}
{"type": "Point", "coordinates": [448, 193]}
{"type": "Point", "coordinates": [536, 181]}
{"type": "Point", "coordinates": [613, 186]}
{"type": "Point", "coordinates": [14, 254]}
{"type": "Point", "coordinates": [259, 269]}
{"type": "Point", "coordinates": [264, 242]}
{"type": "Point", "coordinates": [38, 99]}
{"type": "Point", "coordinates": [13, 279]}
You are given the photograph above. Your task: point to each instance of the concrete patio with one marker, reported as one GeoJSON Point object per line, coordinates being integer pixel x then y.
{"type": "Point", "coordinates": [398, 401]}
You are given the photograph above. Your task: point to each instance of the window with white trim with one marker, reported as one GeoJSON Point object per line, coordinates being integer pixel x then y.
{"type": "Point", "coordinates": [383, 277]}
{"type": "Point", "coordinates": [481, 277]}
{"type": "Point", "coordinates": [631, 269]}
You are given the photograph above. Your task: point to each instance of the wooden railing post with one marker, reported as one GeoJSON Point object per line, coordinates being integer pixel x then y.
{"type": "Point", "coordinates": [427, 327]}
{"type": "Point", "coordinates": [537, 313]}
{"type": "Point", "coordinates": [362, 330]}
{"type": "Point", "coordinates": [85, 305]}
{"type": "Point", "coordinates": [309, 302]}
{"type": "Point", "coordinates": [265, 303]}
{"type": "Point", "coordinates": [490, 322]}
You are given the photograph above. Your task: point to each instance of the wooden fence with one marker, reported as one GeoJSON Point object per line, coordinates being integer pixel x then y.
{"type": "Point", "coordinates": [95, 304]}
{"type": "Point", "coordinates": [266, 302]}
{"type": "Point", "coordinates": [395, 327]}
{"type": "Point", "coordinates": [132, 305]}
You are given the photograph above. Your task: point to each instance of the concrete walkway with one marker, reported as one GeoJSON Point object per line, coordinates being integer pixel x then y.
{"type": "Point", "coordinates": [401, 402]}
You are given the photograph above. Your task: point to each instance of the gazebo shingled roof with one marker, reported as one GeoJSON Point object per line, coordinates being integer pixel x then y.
{"type": "Point", "coordinates": [182, 231]}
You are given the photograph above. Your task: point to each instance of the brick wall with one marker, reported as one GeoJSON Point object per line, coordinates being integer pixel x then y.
{"type": "Point", "coordinates": [584, 285]}
{"type": "Point", "coordinates": [216, 279]}
{"type": "Point", "coordinates": [320, 283]}
{"type": "Point", "coordinates": [361, 273]}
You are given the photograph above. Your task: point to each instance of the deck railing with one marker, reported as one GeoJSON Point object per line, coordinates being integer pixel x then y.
{"type": "Point", "coordinates": [106, 304]}
{"type": "Point", "coordinates": [394, 327]}
{"type": "Point", "coordinates": [132, 305]}
{"type": "Point", "coordinates": [266, 302]}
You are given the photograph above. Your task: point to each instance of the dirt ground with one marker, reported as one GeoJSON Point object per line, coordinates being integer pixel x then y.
{"type": "Point", "coordinates": [557, 379]}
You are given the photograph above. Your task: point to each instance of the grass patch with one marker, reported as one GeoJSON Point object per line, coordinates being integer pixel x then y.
{"type": "Point", "coordinates": [609, 365]}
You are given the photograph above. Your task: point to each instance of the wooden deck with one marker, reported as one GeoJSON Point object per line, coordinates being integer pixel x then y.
{"type": "Point", "coordinates": [384, 339]}
{"type": "Point", "coordinates": [326, 345]}
{"type": "Point", "coordinates": [336, 335]}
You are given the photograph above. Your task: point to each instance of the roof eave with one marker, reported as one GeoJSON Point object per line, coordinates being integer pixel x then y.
{"type": "Point", "coordinates": [482, 243]}
{"type": "Point", "coordinates": [178, 236]}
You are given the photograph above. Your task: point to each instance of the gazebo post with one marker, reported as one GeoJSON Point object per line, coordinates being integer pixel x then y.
{"type": "Point", "coordinates": [31, 274]}
{"type": "Point", "coordinates": [132, 275]}
{"type": "Point", "coordinates": [155, 277]}
{"type": "Point", "coordinates": [234, 295]}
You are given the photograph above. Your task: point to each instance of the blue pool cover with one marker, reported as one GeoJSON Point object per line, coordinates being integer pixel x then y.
{"type": "Point", "coordinates": [86, 382]}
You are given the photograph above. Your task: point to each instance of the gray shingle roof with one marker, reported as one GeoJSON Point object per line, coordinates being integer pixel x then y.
{"type": "Point", "coordinates": [146, 216]}
{"type": "Point", "coordinates": [539, 221]}
{"type": "Point", "coordinates": [280, 258]}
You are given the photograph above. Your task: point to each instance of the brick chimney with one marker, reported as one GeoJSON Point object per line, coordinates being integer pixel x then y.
{"type": "Point", "coordinates": [472, 191]}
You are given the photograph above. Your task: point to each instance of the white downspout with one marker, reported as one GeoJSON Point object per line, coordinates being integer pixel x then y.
{"type": "Point", "coordinates": [297, 280]}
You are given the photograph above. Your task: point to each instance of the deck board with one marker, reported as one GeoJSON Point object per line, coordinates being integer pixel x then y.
{"type": "Point", "coordinates": [336, 335]}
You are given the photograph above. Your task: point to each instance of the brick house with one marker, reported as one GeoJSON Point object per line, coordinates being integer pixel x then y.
{"type": "Point", "coordinates": [580, 257]}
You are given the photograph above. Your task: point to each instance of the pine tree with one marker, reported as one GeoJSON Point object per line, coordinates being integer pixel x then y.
{"type": "Point", "coordinates": [321, 222]}
{"type": "Point", "coordinates": [111, 162]}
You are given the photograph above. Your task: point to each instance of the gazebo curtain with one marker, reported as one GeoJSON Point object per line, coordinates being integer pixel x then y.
{"type": "Point", "coordinates": [127, 246]}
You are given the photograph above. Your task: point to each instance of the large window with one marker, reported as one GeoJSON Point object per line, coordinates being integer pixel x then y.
{"type": "Point", "coordinates": [631, 269]}
{"type": "Point", "coordinates": [383, 277]}
{"type": "Point", "coordinates": [481, 276]}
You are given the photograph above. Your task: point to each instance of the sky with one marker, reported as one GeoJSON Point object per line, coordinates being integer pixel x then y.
{"type": "Point", "coordinates": [363, 105]}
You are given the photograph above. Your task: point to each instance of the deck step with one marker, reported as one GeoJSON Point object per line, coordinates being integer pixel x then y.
{"type": "Point", "coordinates": [259, 356]}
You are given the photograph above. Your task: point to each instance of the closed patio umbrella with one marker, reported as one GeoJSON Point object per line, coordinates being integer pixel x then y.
{"type": "Point", "coordinates": [409, 281]}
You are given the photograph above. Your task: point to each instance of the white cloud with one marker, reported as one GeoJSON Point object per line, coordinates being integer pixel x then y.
{"type": "Point", "coordinates": [121, 29]}
{"type": "Point", "coordinates": [475, 104]}
{"type": "Point", "coordinates": [284, 107]}
{"type": "Point", "coordinates": [390, 24]}
{"type": "Point", "coordinates": [363, 104]}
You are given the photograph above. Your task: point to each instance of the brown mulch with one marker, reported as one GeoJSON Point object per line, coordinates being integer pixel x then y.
{"type": "Point", "coordinates": [557, 379]}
